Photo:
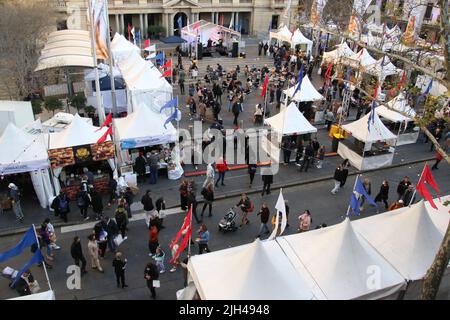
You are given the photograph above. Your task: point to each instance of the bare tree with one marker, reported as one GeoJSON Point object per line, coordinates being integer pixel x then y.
{"type": "Point", "coordinates": [24, 25]}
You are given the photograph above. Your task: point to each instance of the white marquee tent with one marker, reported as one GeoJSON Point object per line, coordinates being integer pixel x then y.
{"type": "Point", "coordinates": [409, 240]}
{"type": "Point", "coordinates": [340, 261]}
{"type": "Point", "coordinates": [306, 93]}
{"type": "Point", "coordinates": [290, 121]}
{"type": "Point", "coordinates": [342, 51]}
{"type": "Point", "coordinates": [360, 130]}
{"type": "Point", "coordinates": [255, 271]}
{"type": "Point", "coordinates": [382, 69]}
{"type": "Point", "coordinates": [362, 58]}
{"type": "Point", "coordinates": [299, 39]}
{"type": "Point", "coordinates": [282, 34]}
{"type": "Point", "coordinates": [46, 295]}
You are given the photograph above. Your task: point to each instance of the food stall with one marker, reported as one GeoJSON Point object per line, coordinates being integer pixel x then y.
{"type": "Point", "coordinates": [407, 131]}
{"type": "Point", "coordinates": [76, 147]}
{"type": "Point", "coordinates": [368, 148]}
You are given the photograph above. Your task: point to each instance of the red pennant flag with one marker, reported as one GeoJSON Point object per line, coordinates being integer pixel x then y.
{"type": "Point", "coordinates": [186, 223]}
{"type": "Point", "coordinates": [167, 65]}
{"type": "Point", "coordinates": [264, 89]}
{"type": "Point", "coordinates": [167, 73]}
{"type": "Point", "coordinates": [107, 122]}
{"type": "Point", "coordinates": [428, 179]}
{"type": "Point", "coordinates": [375, 94]}
{"type": "Point", "coordinates": [292, 32]}
{"type": "Point", "coordinates": [105, 135]}
{"type": "Point", "coordinates": [424, 192]}
{"type": "Point", "coordinates": [392, 92]}
{"type": "Point", "coordinates": [328, 72]}
{"type": "Point", "coordinates": [147, 43]}
{"type": "Point", "coordinates": [183, 244]}
{"type": "Point", "coordinates": [402, 81]}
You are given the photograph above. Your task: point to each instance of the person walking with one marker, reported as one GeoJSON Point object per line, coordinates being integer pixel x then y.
{"type": "Point", "coordinates": [14, 195]}
{"type": "Point", "coordinates": [409, 196]}
{"type": "Point", "coordinates": [309, 155]}
{"type": "Point", "coordinates": [77, 254]}
{"type": "Point", "coordinates": [222, 167]}
{"type": "Point", "coordinates": [159, 258]}
{"type": "Point", "coordinates": [203, 239]}
{"type": "Point", "coordinates": [329, 118]}
{"type": "Point", "coordinates": [94, 253]}
{"type": "Point", "coordinates": [119, 264]}
{"type": "Point", "coordinates": [147, 202]}
{"type": "Point", "coordinates": [403, 186]}
{"type": "Point", "coordinates": [101, 236]}
{"type": "Point", "coordinates": [110, 226]}
{"type": "Point", "coordinates": [127, 200]}
{"type": "Point", "coordinates": [183, 195]}
{"type": "Point", "coordinates": [338, 174]}
{"type": "Point", "coordinates": [181, 79]}
{"type": "Point", "coordinates": [154, 166]}
{"type": "Point", "coordinates": [305, 221]}
{"type": "Point", "coordinates": [210, 172]}
{"type": "Point", "coordinates": [153, 242]}
{"type": "Point", "coordinates": [438, 158]}
{"type": "Point", "coordinates": [51, 234]}
{"type": "Point", "coordinates": [83, 202]}
{"type": "Point", "coordinates": [383, 194]}
{"type": "Point", "coordinates": [121, 218]}
{"type": "Point", "coordinates": [236, 111]}
{"type": "Point", "coordinates": [345, 166]}
{"type": "Point", "coordinates": [246, 207]}
{"type": "Point", "coordinates": [160, 205]}
{"type": "Point", "coordinates": [208, 196]}
{"type": "Point", "coordinates": [320, 157]}
{"type": "Point", "coordinates": [44, 235]}
{"type": "Point", "coordinates": [112, 190]}
{"type": "Point", "coordinates": [267, 180]}
{"type": "Point", "coordinates": [265, 214]}
{"type": "Point", "coordinates": [251, 172]}
{"type": "Point", "coordinates": [97, 204]}
{"type": "Point", "coordinates": [192, 201]}
{"type": "Point", "coordinates": [61, 205]}
{"type": "Point", "coordinates": [151, 274]}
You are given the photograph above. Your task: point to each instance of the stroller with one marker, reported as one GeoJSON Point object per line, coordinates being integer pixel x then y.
{"type": "Point", "coordinates": [228, 222]}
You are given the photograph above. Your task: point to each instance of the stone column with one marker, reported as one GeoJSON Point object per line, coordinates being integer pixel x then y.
{"type": "Point", "coordinates": [166, 23]}
{"type": "Point", "coordinates": [122, 24]}
{"type": "Point", "coordinates": [117, 23]}
{"type": "Point", "coordinates": [141, 24]}
{"type": "Point", "coordinates": [171, 16]}
{"type": "Point", "coordinates": [145, 24]}
{"type": "Point", "coordinates": [236, 21]}
{"type": "Point", "coordinates": [217, 18]}
{"type": "Point", "coordinates": [212, 17]}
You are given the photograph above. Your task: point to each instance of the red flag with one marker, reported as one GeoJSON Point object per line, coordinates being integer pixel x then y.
{"type": "Point", "coordinates": [424, 192]}
{"type": "Point", "coordinates": [292, 32]}
{"type": "Point", "coordinates": [392, 92]}
{"type": "Point", "coordinates": [196, 26]}
{"type": "Point", "coordinates": [428, 179]}
{"type": "Point", "coordinates": [147, 43]}
{"type": "Point", "coordinates": [129, 32]}
{"type": "Point", "coordinates": [402, 81]}
{"type": "Point", "coordinates": [167, 65]}
{"type": "Point", "coordinates": [107, 122]}
{"type": "Point", "coordinates": [105, 135]}
{"type": "Point", "coordinates": [167, 73]}
{"type": "Point", "coordinates": [186, 223]}
{"type": "Point", "coordinates": [328, 72]}
{"type": "Point", "coordinates": [183, 244]}
{"type": "Point", "coordinates": [376, 91]}
{"type": "Point", "coordinates": [264, 89]}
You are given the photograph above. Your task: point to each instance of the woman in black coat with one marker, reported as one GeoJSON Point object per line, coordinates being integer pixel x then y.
{"type": "Point", "coordinates": [383, 194]}
{"type": "Point", "coordinates": [208, 195]}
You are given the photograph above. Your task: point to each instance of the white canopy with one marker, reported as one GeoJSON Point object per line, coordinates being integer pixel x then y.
{"type": "Point", "coordinates": [66, 48]}
{"type": "Point", "coordinates": [343, 50]}
{"type": "Point", "coordinates": [21, 151]}
{"type": "Point", "coordinates": [103, 71]}
{"type": "Point", "coordinates": [378, 131]}
{"type": "Point", "coordinates": [142, 78]}
{"type": "Point", "coordinates": [373, 27]}
{"type": "Point", "coordinates": [290, 121]}
{"type": "Point", "coordinates": [408, 238]}
{"type": "Point", "coordinates": [255, 271]}
{"type": "Point", "coordinates": [382, 69]}
{"type": "Point", "coordinates": [144, 128]}
{"type": "Point", "coordinates": [340, 262]}
{"type": "Point", "coordinates": [306, 93]}
{"type": "Point", "coordinates": [364, 58]}
{"type": "Point", "coordinates": [46, 295]}
{"type": "Point", "coordinates": [299, 38]}
{"type": "Point", "coordinates": [78, 133]}
{"type": "Point", "coordinates": [399, 103]}
{"type": "Point", "coordinates": [282, 34]}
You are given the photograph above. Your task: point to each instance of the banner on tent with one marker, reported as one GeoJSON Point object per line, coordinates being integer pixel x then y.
{"type": "Point", "coordinates": [63, 157]}
{"type": "Point", "coordinates": [146, 141]}
{"type": "Point", "coordinates": [19, 167]}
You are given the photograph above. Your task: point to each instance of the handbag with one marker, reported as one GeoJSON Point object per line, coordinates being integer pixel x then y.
{"type": "Point", "coordinates": [156, 284]}
{"type": "Point", "coordinates": [162, 214]}
{"type": "Point", "coordinates": [118, 240]}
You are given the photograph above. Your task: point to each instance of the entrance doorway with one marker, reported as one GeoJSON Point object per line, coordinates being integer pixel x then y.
{"type": "Point", "coordinates": [179, 18]}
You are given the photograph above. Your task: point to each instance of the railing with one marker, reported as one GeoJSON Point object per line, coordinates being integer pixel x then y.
{"type": "Point", "coordinates": [245, 1]}
{"type": "Point", "coordinates": [225, 1]}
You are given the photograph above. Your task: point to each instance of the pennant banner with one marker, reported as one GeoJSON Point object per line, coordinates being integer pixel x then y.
{"type": "Point", "coordinates": [99, 20]}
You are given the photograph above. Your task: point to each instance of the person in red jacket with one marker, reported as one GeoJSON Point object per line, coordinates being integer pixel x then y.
{"type": "Point", "coordinates": [438, 159]}
{"type": "Point", "coordinates": [222, 167]}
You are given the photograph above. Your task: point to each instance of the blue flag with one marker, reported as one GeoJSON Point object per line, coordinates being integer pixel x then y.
{"type": "Point", "coordinates": [160, 58]}
{"type": "Point", "coordinates": [36, 259]}
{"type": "Point", "coordinates": [180, 23]}
{"type": "Point", "coordinates": [354, 205]}
{"type": "Point", "coordinates": [27, 241]}
{"type": "Point", "coordinates": [354, 202]}
{"type": "Point", "coordinates": [428, 89]}
{"type": "Point", "coordinates": [173, 116]}
{"type": "Point", "coordinates": [371, 116]}
{"type": "Point", "coordinates": [299, 80]}
{"type": "Point", "coordinates": [172, 103]}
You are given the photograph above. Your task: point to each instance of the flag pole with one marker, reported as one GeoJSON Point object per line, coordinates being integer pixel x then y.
{"type": "Point", "coordinates": [415, 189]}
{"type": "Point", "coordinates": [43, 262]}
{"type": "Point", "coordinates": [111, 64]}
{"type": "Point", "coordinates": [190, 236]}
{"type": "Point", "coordinates": [353, 190]}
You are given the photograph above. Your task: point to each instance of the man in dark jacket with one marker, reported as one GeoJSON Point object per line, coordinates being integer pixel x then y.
{"type": "Point", "coordinates": [77, 254]}
{"type": "Point", "coordinates": [83, 201]}
{"type": "Point", "coordinates": [409, 196]}
{"type": "Point", "coordinates": [267, 180]}
{"type": "Point", "coordinates": [111, 228]}
{"type": "Point", "coordinates": [153, 161]}
{"type": "Point", "coordinates": [150, 274]}
{"type": "Point", "coordinates": [139, 166]}
{"type": "Point", "coordinates": [309, 155]}
{"type": "Point", "coordinates": [265, 214]}
{"type": "Point", "coordinates": [22, 285]}
{"type": "Point", "coordinates": [402, 187]}
{"type": "Point", "coordinates": [61, 205]}
{"type": "Point", "coordinates": [97, 204]}
{"type": "Point", "coordinates": [338, 174]}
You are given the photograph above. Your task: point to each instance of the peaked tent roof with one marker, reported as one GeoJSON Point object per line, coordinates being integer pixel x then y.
{"type": "Point", "coordinates": [409, 239]}
{"type": "Point", "coordinates": [399, 103]}
{"type": "Point", "coordinates": [144, 128]}
{"type": "Point", "coordinates": [306, 93]}
{"type": "Point", "coordinates": [342, 50]}
{"type": "Point", "coordinates": [382, 68]}
{"type": "Point", "coordinates": [282, 34]}
{"type": "Point", "coordinates": [78, 133]}
{"type": "Point", "coordinates": [290, 121]}
{"type": "Point", "coordinates": [299, 38]}
{"type": "Point", "coordinates": [364, 57]}
{"type": "Point", "coordinates": [338, 259]}
{"type": "Point", "coordinates": [255, 275]}
{"type": "Point", "coordinates": [378, 131]}
{"type": "Point", "coordinates": [21, 151]}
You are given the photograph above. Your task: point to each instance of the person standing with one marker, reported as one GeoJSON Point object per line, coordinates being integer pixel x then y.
{"type": "Point", "coordinates": [329, 118]}
{"type": "Point", "coordinates": [203, 239]}
{"type": "Point", "coordinates": [383, 194]}
{"type": "Point", "coordinates": [160, 205]}
{"type": "Point", "coordinates": [112, 190]}
{"type": "Point", "coordinates": [151, 274]}
{"type": "Point", "coordinates": [181, 78]}
{"type": "Point", "coordinates": [159, 258]}
{"type": "Point", "coordinates": [147, 202]}
{"type": "Point", "coordinates": [153, 242]}
{"type": "Point", "coordinates": [286, 146]}
{"type": "Point", "coordinates": [94, 253]}
{"type": "Point", "coordinates": [77, 254]}
{"type": "Point", "coordinates": [121, 218]}
{"type": "Point", "coordinates": [222, 167]}
{"type": "Point", "coordinates": [267, 180]}
{"type": "Point", "coordinates": [192, 200]}
{"type": "Point", "coordinates": [246, 206]}
{"type": "Point", "coordinates": [183, 195]}
{"type": "Point", "coordinates": [438, 159]}
{"type": "Point", "coordinates": [110, 226]}
{"type": "Point", "coordinates": [265, 214]}
{"type": "Point", "coordinates": [251, 172]}
{"type": "Point", "coordinates": [320, 157]}
{"type": "Point", "coordinates": [61, 205]}
{"type": "Point", "coordinates": [83, 202]}
{"type": "Point", "coordinates": [210, 172]}
{"type": "Point", "coordinates": [208, 196]}
{"type": "Point", "coordinates": [236, 111]}
{"type": "Point", "coordinates": [403, 186]}
{"type": "Point", "coordinates": [409, 196]}
{"type": "Point", "coordinates": [154, 167]}
{"type": "Point", "coordinates": [139, 166]}
{"type": "Point", "coordinates": [119, 266]}
{"type": "Point", "coordinates": [309, 154]}
{"type": "Point", "coordinates": [97, 204]}
{"type": "Point", "coordinates": [45, 240]}
{"type": "Point", "coordinates": [101, 236]}
{"type": "Point", "coordinates": [305, 221]}
{"type": "Point", "coordinates": [260, 48]}
{"type": "Point", "coordinates": [15, 195]}
{"type": "Point", "coordinates": [345, 165]}
{"type": "Point", "coordinates": [338, 174]}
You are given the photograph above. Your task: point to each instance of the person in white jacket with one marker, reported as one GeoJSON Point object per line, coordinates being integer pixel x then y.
{"type": "Point", "coordinates": [210, 172]}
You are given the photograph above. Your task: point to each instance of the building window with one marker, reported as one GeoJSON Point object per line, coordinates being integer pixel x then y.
{"type": "Point", "coordinates": [429, 11]}
{"type": "Point", "coordinates": [61, 25]}
{"type": "Point", "coordinates": [275, 19]}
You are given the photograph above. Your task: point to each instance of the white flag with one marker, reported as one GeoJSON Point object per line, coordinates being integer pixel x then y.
{"type": "Point", "coordinates": [288, 8]}
{"type": "Point", "coordinates": [280, 207]}
{"type": "Point", "coordinates": [231, 22]}
{"type": "Point", "coordinates": [151, 48]}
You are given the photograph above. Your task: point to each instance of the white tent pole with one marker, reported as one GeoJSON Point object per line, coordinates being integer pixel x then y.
{"type": "Point", "coordinates": [43, 262]}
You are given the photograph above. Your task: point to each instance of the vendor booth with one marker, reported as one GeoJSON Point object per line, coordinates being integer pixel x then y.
{"type": "Point", "coordinates": [342, 51]}
{"type": "Point", "coordinates": [407, 131]}
{"type": "Point", "coordinates": [360, 59]}
{"type": "Point", "coordinates": [145, 128]}
{"type": "Point", "coordinates": [368, 149]}
{"type": "Point", "coordinates": [382, 68]}
{"type": "Point", "coordinates": [76, 147]}
{"type": "Point", "coordinates": [22, 152]}
{"type": "Point", "coordinates": [290, 121]}
{"type": "Point", "coordinates": [299, 39]}
{"type": "Point", "coordinates": [283, 34]}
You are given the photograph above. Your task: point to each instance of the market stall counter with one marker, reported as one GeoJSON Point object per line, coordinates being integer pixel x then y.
{"type": "Point", "coordinates": [72, 185]}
